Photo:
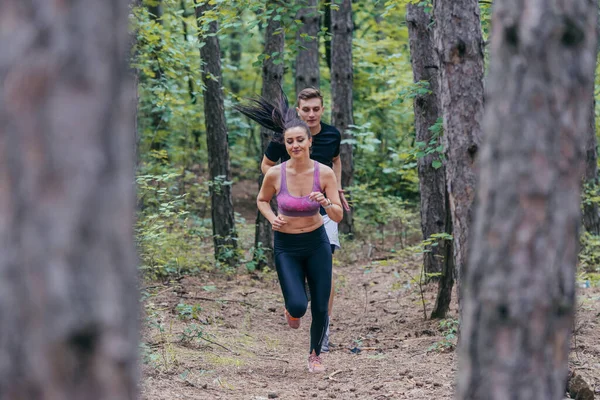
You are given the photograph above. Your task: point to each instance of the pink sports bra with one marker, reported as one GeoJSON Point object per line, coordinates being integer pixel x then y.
{"type": "Point", "coordinates": [297, 206]}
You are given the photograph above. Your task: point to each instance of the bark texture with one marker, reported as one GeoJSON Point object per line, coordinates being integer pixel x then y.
{"type": "Point", "coordinates": [520, 286]}
{"type": "Point", "coordinates": [341, 94]}
{"type": "Point", "coordinates": [432, 181]}
{"type": "Point", "coordinates": [307, 59]}
{"type": "Point", "coordinates": [272, 74]}
{"type": "Point", "coordinates": [591, 213]}
{"type": "Point", "coordinates": [68, 279]}
{"type": "Point", "coordinates": [459, 44]}
{"type": "Point", "coordinates": [223, 220]}
{"type": "Point", "coordinates": [444, 295]}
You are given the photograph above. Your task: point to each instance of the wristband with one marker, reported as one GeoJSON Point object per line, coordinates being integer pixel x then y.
{"type": "Point", "coordinates": [329, 204]}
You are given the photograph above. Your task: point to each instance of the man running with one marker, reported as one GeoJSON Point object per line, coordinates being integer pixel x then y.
{"type": "Point", "coordinates": [326, 150]}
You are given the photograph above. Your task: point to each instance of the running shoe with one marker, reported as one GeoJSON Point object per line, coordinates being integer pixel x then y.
{"type": "Point", "coordinates": [294, 323]}
{"type": "Point", "coordinates": [315, 364]}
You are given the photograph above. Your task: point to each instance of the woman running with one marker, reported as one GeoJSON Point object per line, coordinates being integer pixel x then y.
{"type": "Point", "coordinates": [302, 248]}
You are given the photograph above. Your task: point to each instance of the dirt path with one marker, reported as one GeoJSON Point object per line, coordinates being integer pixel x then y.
{"type": "Point", "coordinates": [383, 347]}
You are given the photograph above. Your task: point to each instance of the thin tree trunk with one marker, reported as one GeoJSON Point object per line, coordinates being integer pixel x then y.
{"type": "Point", "coordinates": [190, 80]}
{"type": "Point", "coordinates": [326, 9]}
{"type": "Point", "coordinates": [519, 299]}
{"type": "Point", "coordinates": [341, 94]}
{"type": "Point", "coordinates": [432, 181]}
{"type": "Point", "coordinates": [223, 220]}
{"type": "Point", "coordinates": [591, 213]}
{"type": "Point", "coordinates": [459, 42]}
{"type": "Point", "coordinates": [68, 279]}
{"type": "Point", "coordinates": [272, 75]}
{"type": "Point", "coordinates": [444, 295]}
{"type": "Point", "coordinates": [235, 56]}
{"type": "Point", "coordinates": [157, 113]}
{"type": "Point", "coordinates": [196, 133]}
{"type": "Point", "coordinates": [307, 59]}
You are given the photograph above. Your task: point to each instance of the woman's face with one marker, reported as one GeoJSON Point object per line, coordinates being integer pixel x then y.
{"type": "Point", "coordinates": [297, 142]}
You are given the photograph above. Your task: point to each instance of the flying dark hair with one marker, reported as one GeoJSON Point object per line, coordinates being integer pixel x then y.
{"type": "Point", "coordinates": [278, 117]}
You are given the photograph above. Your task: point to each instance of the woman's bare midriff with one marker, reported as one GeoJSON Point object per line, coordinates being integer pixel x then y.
{"type": "Point", "coordinates": [301, 224]}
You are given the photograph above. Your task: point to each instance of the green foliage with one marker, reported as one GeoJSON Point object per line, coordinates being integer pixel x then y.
{"type": "Point", "coordinates": [192, 332]}
{"type": "Point", "coordinates": [412, 91]}
{"type": "Point", "coordinates": [168, 235]}
{"type": "Point", "coordinates": [259, 257]}
{"type": "Point", "coordinates": [376, 212]}
{"type": "Point", "coordinates": [589, 253]}
{"type": "Point", "coordinates": [187, 312]}
{"type": "Point", "coordinates": [433, 147]}
{"type": "Point", "coordinates": [425, 246]}
{"type": "Point", "coordinates": [449, 328]}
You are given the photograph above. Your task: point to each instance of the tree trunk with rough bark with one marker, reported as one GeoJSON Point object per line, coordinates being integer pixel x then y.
{"type": "Point", "coordinates": [432, 181]}
{"type": "Point", "coordinates": [223, 220]}
{"type": "Point", "coordinates": [519, 298]}
{"type": "Point", "coordinates": [272, 75]}
{"type": "Point", "coordinates": [459, 42]}
{"type": "Point", "coordinates": [307, 59]}
{"type": "Point", "coordinates": [435, 213]}
{"type": "Point", "coordinates": [591, 212]}
{"type": "Point", "coordinates": [341, 95]}
{"type": "Point", "coordinates": [68, 277]}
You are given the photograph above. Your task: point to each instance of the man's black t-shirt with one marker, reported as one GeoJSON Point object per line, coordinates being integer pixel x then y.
{"type": "Point", "coordinates": [325, 147]}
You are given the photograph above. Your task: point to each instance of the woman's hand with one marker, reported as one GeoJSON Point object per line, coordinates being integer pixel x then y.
{"type": "Point", "coordinates": [319, 198]}
{"type": "Point", "coordinates": [278, 223]}
{"type": "Point", "coordinates": [345, 204]}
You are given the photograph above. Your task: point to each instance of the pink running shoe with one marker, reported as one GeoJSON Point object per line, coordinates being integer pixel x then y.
{"type": "Point", "coordinates": [315, 364]}
{"type": "Point", "coordinates": [294, 323]}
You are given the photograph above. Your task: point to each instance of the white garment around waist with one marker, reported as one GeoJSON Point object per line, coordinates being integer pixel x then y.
{"type": "Point", "coordinates": [331, 227]}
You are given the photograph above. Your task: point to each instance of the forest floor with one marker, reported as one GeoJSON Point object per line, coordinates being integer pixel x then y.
{"type": "Point", "coordinates": [218, 336]}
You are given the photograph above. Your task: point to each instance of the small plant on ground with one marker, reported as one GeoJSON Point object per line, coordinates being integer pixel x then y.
{"type": "Point", "coordinates": [188, 312]}
{"type": "Point", "coordinates": [191, 333]}
{"type": "Point", "coordinates": [449, 328]}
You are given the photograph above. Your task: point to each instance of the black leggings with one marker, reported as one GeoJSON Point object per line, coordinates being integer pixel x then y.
{"type": "Point", "coordinates": [300, 257]}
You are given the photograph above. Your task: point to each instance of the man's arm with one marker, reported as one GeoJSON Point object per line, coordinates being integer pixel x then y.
{"type": "Point", "coordinates": [337, 170]}
{"type": "Point", "coordinates": [266, 164]}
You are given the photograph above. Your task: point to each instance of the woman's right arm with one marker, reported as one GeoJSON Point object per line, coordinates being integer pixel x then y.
{"type": "Point", "coordinates": [263, 200]}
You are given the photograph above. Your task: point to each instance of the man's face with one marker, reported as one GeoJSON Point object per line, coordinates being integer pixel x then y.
{"type": "Point", "coordinates": [311, 111]}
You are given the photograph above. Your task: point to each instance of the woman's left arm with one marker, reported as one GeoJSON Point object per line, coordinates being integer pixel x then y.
{"type": "Point", "coordinates": [331, 202]}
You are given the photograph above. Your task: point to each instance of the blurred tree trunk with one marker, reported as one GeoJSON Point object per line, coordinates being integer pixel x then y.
{"type": "Point", "coordinates": [341, 95]}
{"type": "Point", "coordinates": [68, 279]}
{"type": "Point", "coordinates": [432, 181]}
{"type": "Point", "coordinates": [519, 298]}
{"type": "Point", "coordinates": [307, 59]}
{"type": "Point", "coordinates": [459, 43]}
{"type": "Point", "coordinates": [223, 220]}
{"type": "Point", "coordinates": [272, 75]}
